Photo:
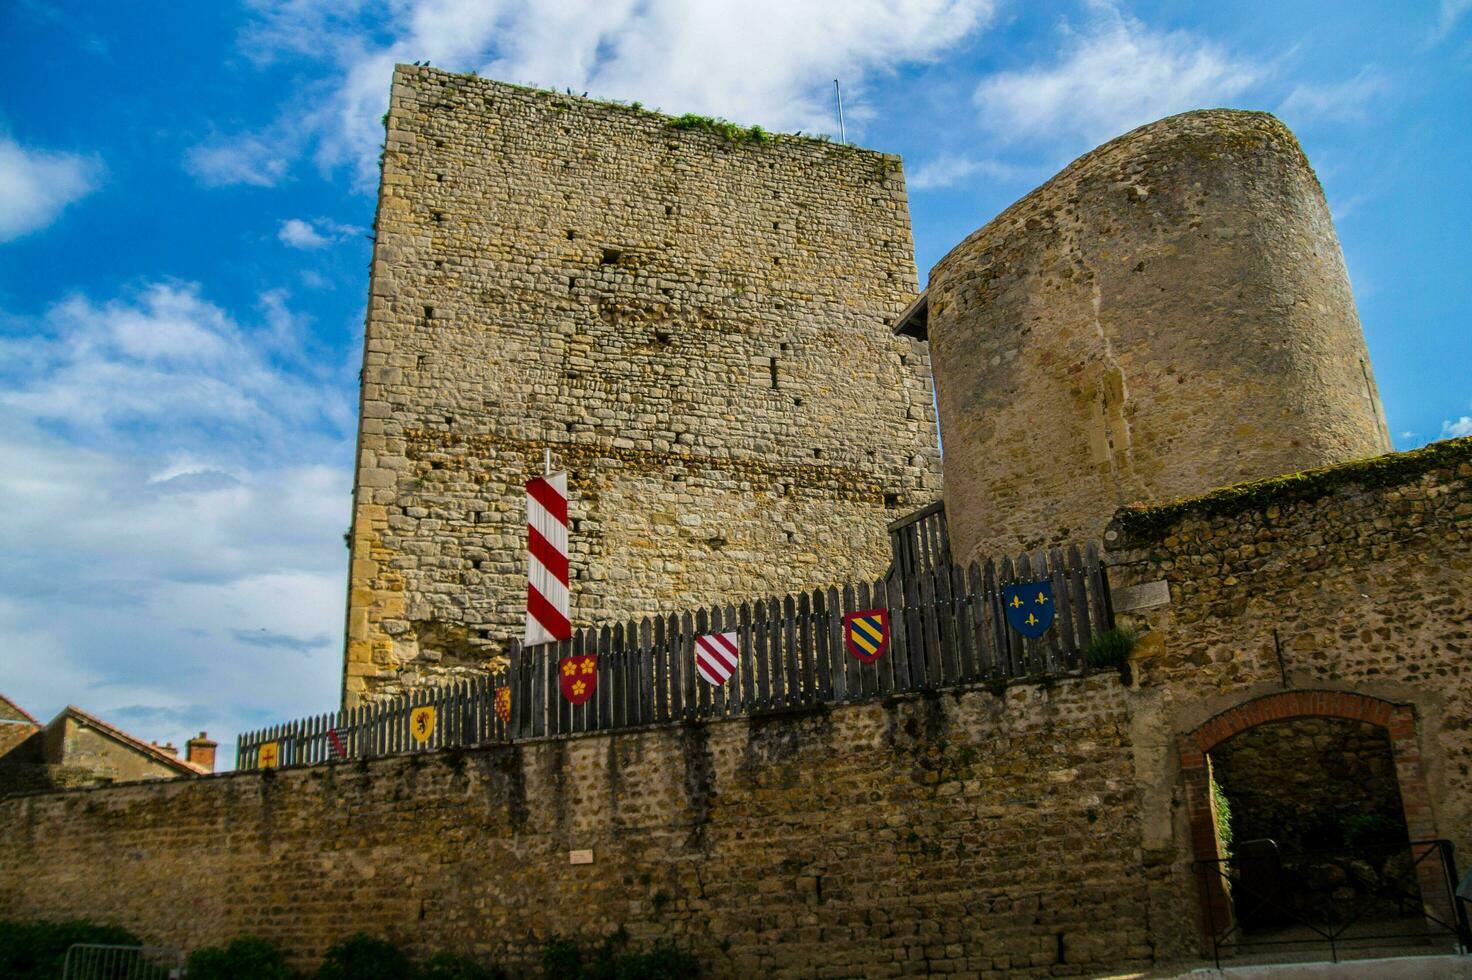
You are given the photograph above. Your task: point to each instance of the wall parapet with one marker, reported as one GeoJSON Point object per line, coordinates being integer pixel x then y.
{"type": "Point", "coordinates": [1137, 526]}
{"type": "Point", "coordinates": [927, 629]}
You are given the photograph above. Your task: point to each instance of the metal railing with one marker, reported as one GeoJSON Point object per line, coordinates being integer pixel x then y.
{"type": "Point", "coordinates": [1255, 903]}
{"type": "Point", "coordinates": [93, 961]}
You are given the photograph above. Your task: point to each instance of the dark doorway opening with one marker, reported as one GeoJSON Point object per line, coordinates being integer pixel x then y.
{"type": "Point", "coordinates": [1309, 810]}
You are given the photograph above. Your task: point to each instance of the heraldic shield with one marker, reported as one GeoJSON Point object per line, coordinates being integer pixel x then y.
{"type": "Point", "coordinates": [577, 677]}
{"type": "Point", "coordinates": [866, 634]}
{"type": "Point", "coordinates": [1029, 607]}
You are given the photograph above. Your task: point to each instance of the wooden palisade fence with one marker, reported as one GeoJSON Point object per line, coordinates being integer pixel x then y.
{"type": "Point", "coordinates": [947, 629]}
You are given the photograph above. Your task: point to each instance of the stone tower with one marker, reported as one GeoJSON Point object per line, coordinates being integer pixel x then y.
{"type": "Point", "coordinates": [1168, 315]}
{"type": "Point", "coordinates": [692, 318]}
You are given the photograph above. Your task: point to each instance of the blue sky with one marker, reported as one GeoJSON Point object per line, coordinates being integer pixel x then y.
{"type": "Point", "coordinates": [186, 189]}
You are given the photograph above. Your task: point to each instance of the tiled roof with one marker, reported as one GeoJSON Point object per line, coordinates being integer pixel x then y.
{"type": "Point", "coordinates": [132, 741]}
{"type": "Point", "coordinates": [19, 710]}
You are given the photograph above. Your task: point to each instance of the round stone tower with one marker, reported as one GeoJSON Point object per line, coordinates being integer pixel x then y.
{"type": "Point", "coordinates": [1168, 315]}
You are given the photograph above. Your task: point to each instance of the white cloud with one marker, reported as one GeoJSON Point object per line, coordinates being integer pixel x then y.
{"type": "Point", "coordinates": [1451, 11]}
{"type": "Point", "coordinates": [176, 492]}
{"type": "Point", "coordinates": [948, 170]}
{"type": "Point", "coordinates": [1114, 75]}
{"type": "Point", "coordinates": [168, 359]}
{"type": "Point", "coordinates": [107, 571]}
{"type": "Point", "coordinates": [1455, 429]}
{"type": "Point", "coordinates": [299, 233]}
{"type": "Point", "coordinates": [1346, 101]}
{"type": "Point", "coordinates": [255, 160]}
{"type": "Point", "coordinates": [767, 62]}
{"type": "Point", "coordinates": [36, 186]}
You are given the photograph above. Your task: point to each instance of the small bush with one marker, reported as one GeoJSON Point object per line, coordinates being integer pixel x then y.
{"type": "Point", "coordinates": [364, 957]}
{"type": "Point", "coordinates": [242, 958]}
{"type": "Point", "coordinates": [721, 127]}
{"type": "Point", "coordinates": [37, 950]}
{"type": "Point", "coordinates": [563, 960]}
{"type": "Point", "coordinates": [1359, 830]}
{"type": "Point", "coordinates": [450, 966]}
{"type": "Point", "coordinates": [1111, 648]}
{"type": "Point", "coordinates": [664, 962]}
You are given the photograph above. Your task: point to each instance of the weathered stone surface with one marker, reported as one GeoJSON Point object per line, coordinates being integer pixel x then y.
{"type": "Point", "coordinates": [696, 326]}
{"type": "Point", "coordinates": [961, 835]}
{"type": "Point", "coordinates": [1168, 315]}
{"type": "Point", "coordinates": [1354, 578]}
{"type": "Point", "coordinates": [1142, 596]}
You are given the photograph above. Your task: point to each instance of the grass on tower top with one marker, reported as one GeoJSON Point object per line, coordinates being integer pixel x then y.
{"type": "Point", "coordinates": [721, 127]}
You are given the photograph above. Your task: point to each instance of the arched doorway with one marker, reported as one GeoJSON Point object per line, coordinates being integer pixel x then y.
{"type": "Point", "coordinates": [1334, 781]}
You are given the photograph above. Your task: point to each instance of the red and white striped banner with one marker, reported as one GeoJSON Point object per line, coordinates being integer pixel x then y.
{"type": "Point", "coordinates": [547, 595]}
{"type": "Point", "coordinates": [715, 657]}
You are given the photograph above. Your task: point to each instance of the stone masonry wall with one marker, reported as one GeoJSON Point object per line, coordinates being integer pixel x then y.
{"type": "Point", "coordinates": [1169, 314]}
{"type": "Point", "coordinates": [1356, 574]}
{"type": "Point", "coordinates": [695, 325]}
{"type": "Point", "coordinates": [969, 834]}
{"type": "Point", "coordinates": [957, 834]}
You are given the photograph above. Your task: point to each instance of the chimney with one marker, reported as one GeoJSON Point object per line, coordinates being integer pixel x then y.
{"type": "Point", "coordinates": [201, 751]}
{"type": "Point", "coordinates": [166, 747]}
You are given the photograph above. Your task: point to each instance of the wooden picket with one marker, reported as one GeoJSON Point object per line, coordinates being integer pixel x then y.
{"type": "Point", "coordinates": [947, 627]}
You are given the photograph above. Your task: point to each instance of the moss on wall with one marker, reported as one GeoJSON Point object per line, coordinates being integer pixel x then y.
{"type": "Point", "coordinates": [1136, 525]}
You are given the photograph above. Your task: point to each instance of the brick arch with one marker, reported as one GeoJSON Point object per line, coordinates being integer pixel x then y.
{"type": "Point", "coordinates": [1282, 706]}
{"type": "Point", "coordinates": [1399, 721]}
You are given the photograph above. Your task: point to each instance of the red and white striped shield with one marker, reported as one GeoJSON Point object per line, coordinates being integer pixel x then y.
{"type": "Point", "coordinates": [715, 657]}
{"type": "Point", "coordinates": [547, 595]}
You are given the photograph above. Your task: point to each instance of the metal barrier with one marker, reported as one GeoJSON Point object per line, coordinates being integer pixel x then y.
{"type": "Point", "coordinates": [1256, 890]}
{"type": "Point", "coordinates": [92, 961]}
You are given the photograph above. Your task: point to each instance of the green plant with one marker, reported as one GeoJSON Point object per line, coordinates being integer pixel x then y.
{"type": "Point", "coordinates": [1111, 648]}
{"type": "Point", "coordinates": [561, 958]}
{"type": "Point", "coordinates": [242, 958]}
{"type": "Point", "coordinates": [1223, 817]}
{"type": "Point", "coordinates": [364, 957]}
{"type": "Point", "coordinates": [37, 950]}
{"type": "Point", "coordinates": [451, 966]}
{"type": "Point", "coordinates": [665, 961]}
{"type": "Point", "coordinates": [720, 127]}
{"type": "Point", "coordinates": [1358, 829]}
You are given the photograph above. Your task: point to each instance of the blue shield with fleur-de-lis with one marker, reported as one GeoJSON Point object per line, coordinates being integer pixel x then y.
{"type": "Point", "coordinates": [1029, 607]}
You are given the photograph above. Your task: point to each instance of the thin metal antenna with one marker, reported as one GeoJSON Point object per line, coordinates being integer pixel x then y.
{"type": "Point", "coordinates": [838, 97]}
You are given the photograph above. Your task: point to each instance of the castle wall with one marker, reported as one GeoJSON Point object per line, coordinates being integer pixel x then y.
{"type": "Point", "coordinates": [1355, 576]}
{"type": "Point", "coordinates": [695, 325]}
{"type": "Point", "coordinates": [971, 834]}
{"type": "Point", "coordinates": [1169, 314]}
{"type": "Point", "coordinates": [960, 833]}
